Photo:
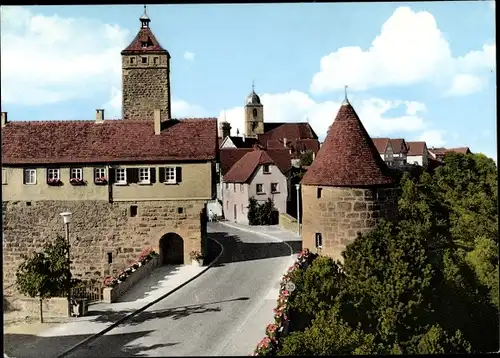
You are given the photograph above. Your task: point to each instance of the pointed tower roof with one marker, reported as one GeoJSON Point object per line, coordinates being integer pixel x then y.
{"type": "Point", "coordinates": [348, 157]}
{"type": "Point", "coordinates": [145, 41]}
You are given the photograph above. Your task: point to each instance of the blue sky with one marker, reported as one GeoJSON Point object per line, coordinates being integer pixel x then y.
{"type": "Point", "coordinates": [412, 69]}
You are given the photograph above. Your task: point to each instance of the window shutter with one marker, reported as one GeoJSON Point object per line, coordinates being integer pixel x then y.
{"type": "Point", "coordinates": [95, 173]}
{"type": "Point", "coordinates": [152, 175]}
{"type": "Point", "coordinates": [132, 175]}
{"type": "Point", "coordinates": [47, 175]}
{"type": "Point", "coordinates": [111, 175]}
{"type": "Point", "coordinates": [24, 176]}
{"type": "Point", "coordinates": [161, 173]}
{"type": "Point", "coordinates": [178, 174]}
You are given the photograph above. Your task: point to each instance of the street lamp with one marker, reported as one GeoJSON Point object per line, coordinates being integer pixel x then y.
{"type": "Point", "coordinates": [297, 186]}
{"type": "Point", "coordinates": [67, 219]}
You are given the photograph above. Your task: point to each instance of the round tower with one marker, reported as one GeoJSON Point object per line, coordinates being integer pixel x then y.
{"type": "Point", "coordinates": [347, 188]}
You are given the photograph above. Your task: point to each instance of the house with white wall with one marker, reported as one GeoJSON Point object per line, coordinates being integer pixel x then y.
{"type": "Point", "coordinates": [255, 175]}
{"type": "Point", "coordinates": [417, 153]}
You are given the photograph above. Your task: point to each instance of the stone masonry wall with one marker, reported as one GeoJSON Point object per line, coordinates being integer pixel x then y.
{"type": "Point", "coordinates": [144, 90]}
{"type": "Point", "coordinates": [97, 228]}
{"type": "Point", "coordinates": [341, 213]}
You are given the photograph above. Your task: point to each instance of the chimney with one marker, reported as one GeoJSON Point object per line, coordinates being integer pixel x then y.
{"type": "Point", "coordinates": [157, 116]}
{"type": "Point", "coordinates": [4, 119]}
{"type": "Point", "coordinates": [99, 116]}
{"type": "Point", "coordinates": [284, 142]}
{"type": "Point", "coordinates": [226, 130]}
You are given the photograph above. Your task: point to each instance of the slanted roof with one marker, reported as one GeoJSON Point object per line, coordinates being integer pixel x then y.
{"type": "Point", "coordinates": [144, 35]}
{"type": "Point", "coordinates": [398, 146]}
{"type": "Point", "coordinates": [229, 156]}
{"type": "Point", "coordinates": [243, 169]}
{"type": "Point", "coordinates": [416, 148]}
{"type": "Point", "coordinates": [274, 131]}
{"type": "Point", "coordinates": [381, 144]}
{"type": "Point", "coordinates": [51, 142]}
{"type": "Point", "coordinates": [348, 156]}
{"type": "Point", "coordinates": [243, 142]}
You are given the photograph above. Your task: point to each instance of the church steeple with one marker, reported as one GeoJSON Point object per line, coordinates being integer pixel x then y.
{"type": "Point", "coordinates": [145, 20]}
{"type": "Point", "coordinates": [254, 115]}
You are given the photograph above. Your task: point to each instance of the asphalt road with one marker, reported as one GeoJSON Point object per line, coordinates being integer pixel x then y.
{"type": "Point", "coordinates": [223, 312]}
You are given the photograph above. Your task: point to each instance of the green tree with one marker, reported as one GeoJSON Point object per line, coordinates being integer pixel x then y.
{"type": "Point", "coordinates": [260, 214]}
{"type": "Point", "coordinates": [253, 211]}
{"type": "Point", "coordinates": [306, 158]}
{"type": "Point", "coordinates": [45, 274]}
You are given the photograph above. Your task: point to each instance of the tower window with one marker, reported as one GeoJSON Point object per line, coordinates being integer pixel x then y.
{"type": "Point", "coordinates": [144, 60]}
{"type": "Point", "coordinates": [110, 257]}
{"type": "Point", "coordinates": [132, 60]}
{"type": "Point", "coordinates": [133, 210]}
{"type": "Point", "coordinates": [254, 112]}
{"type": "Point", "coordinates": [155, 60]}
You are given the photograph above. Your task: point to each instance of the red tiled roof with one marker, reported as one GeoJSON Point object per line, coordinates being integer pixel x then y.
{"type": "Point", "coordinates": [416, 148]}
{"type": "Point", "coordinates": [381, 144]}
{"type": "Point", "coordinates": [46, 142]}
{"type": "Point", "coordinates": [440, 152]}
{"type": "Point", "coordinates": [229, 156]}
{"type": "Point", "coordinates": [290, 131]}
{"type": "Point", "coordinates": [243, 169]}
{"type": "Point", "coordinates": [144, 35]}
{"type": "Point", "coordinates": [398, 145]}
{"type": "Point", "coordinates": [348, 156]}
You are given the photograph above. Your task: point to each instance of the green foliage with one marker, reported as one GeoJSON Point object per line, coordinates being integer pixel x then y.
{"type": "Point", "coordinates": [427, 284]}
{"type": "Point", "coordinates": [306, 158]}
{"type": "Point", "coordinates": [260, 214]}
{"type": "Point", "coordinates": [45, 274]}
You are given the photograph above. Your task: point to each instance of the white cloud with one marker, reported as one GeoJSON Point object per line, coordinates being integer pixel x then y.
{"type": "Point", "coordinates": [410, 50]}
{"type": "Point", "coordinates": [433, 138]}
{"type": "Point", "coordinates": [295, 106]}
{"type": "Point", "coordinates": [464, 84]}
{"type": "Point", "coordinates": [47, 59]}
{"type": "Point", "coordinates": [189, 56]}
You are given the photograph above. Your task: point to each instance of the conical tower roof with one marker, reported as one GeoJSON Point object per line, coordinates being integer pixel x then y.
{"type": "Point", "coordinates": [348, 157]}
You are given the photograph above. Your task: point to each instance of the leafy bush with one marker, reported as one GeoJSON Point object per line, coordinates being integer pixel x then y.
{"type": "Point", "coordinates": [260, 214]}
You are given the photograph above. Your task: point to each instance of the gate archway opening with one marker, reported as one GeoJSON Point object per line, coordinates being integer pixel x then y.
{"type": "Point", "coordinates": [172, 249]}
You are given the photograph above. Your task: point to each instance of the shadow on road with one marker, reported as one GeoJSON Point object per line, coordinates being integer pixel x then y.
{"type": "Point", "coordinates": [174, 313]}
{"type": "Point", "coordinates": [235, 250]}
{"type": "Point", "coordinates": [27, 345]}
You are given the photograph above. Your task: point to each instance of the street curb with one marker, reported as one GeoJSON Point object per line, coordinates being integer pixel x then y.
{"type": "Point", "coordinates": [121, 320]}
{"type": "Point", "coordinates": [259, 233]}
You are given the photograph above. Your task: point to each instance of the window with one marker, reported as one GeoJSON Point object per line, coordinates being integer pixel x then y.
{"type": "Point", "coordinates": [155, 60]}
{"type": "Point", "coordinates": [144, 60]}
{"type": "Point", "coordinates": [144, 176]}
{"type": "Point", "coordinates": [319, 240]}
{"type": "Point", "coordinates": [170, 175]}
{"type": "Point", "coordinates": [180, 210]}
{"type": "Point", "coordinates": [4, 176]}
{"type": "Point", "coordinates": [132, 60]}
{"type": "Point", "coordinates": [133, 210]}
{"type": "Point", "coordinates": [259, 188]}
{"type": "Point", "coordinates": [120, 176]}
{"type": "Point", "coordinates": [76, 173]}
{"type": "Point", "coordinates": [144, 44]}
{"type": "Point", "coordinates": [265, 169]}
{"type": "Point", "coordinates": [274, 188]}
{"type": "Point", "coordinates": [53, 174]}
{"type": "Point", "coordinates": [30, 176]}
{"type": "Point", "coordinates": [318, 193]}
{"type": "Point", "coordinates": [254, 112]}
{"type": "Point", "coordinates": [110, 257]}
{"type": "Point", "coordinates": [99, 173]}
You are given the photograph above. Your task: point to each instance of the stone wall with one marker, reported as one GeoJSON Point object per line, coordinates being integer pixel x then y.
{"type": "Point", "coordinates": [146, 88]}
{"type": "Point", "coordinates": [98, 228]}
{"type": "Point", "coordinates": [30, 307]}
{"type": "Point", "coordinates": [288, 222]}
{"type": "Point", "coordinates": [340, 213]}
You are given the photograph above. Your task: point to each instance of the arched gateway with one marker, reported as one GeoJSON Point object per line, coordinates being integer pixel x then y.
{"type": "Point", "coordinates": [172, 249]}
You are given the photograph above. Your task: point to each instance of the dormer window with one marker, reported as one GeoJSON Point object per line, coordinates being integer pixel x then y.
{"type": "Point", "coordinates": [144, 44]}
{"type": "Point", "coordinates": [132, 60]}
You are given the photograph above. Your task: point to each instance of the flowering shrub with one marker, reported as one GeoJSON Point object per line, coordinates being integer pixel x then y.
{"type": "Point", "coordinates": [53, 181]}
{"type": "Point", "coordinates": [195, 255]}
{"type": "Point", "coordinates": [270, 344]}
{"type": "Point", "coordinates": [147, 254]}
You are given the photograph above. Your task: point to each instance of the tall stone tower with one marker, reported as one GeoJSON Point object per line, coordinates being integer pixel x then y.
{"type": "Point", "coordinates": [254, 115]}
{"type": "Point", "coordinates": [145, 76]}
{"type": "Point", "coordinates": [347, 188]}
